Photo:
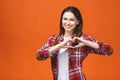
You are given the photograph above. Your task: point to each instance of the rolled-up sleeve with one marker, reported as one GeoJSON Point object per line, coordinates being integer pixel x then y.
{"type": "Point", "coordinates": [43, 53]}
{"type": "Point", "coordinates": [104, 48]}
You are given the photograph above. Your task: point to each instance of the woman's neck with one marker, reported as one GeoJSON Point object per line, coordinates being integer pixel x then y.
{"type": "Point", "coordinates": [68, 34]}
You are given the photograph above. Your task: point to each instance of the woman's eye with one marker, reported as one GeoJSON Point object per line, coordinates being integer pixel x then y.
{"type": "Point", "coordinates": [65, 19]}
{"type": "Point", "coordinates": [72, 20]}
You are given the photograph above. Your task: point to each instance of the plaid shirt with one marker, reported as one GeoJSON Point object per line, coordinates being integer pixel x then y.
{"type": "Point", "coordinates": [75, 59]}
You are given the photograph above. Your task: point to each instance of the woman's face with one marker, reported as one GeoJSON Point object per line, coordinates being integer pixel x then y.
{"type": "Point", "coordinates": [69, 21]}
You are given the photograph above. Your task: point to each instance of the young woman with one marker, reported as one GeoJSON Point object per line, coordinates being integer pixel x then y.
{"type": "Point", "coordinates": [70, 47]}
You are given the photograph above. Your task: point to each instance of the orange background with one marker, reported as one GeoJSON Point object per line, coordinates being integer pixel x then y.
{"type": "Point", "coordinates": [25, 26]}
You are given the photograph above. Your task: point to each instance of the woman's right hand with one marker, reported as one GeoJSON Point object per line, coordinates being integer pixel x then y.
{"type": "Point", "coordinates": [65, 44]}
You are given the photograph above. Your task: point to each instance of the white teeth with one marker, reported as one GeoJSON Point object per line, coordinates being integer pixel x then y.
{"type": "Point", "coordinates": [67, 27]}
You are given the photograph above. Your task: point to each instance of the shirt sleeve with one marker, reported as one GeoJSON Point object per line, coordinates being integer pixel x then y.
{"type": "Point", "coordinates": [104, 48]}
{"type": "Point", "coordinates": [43, 53]}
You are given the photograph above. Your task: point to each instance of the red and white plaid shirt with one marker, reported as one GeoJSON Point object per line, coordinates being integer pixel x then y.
{"type": "Point", "coordinates": [75, 60]}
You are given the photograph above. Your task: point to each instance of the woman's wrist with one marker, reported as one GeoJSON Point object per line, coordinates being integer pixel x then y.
{"type": "Point", "coordinates": [54, 48]}
{"type": "Point", "coordinates": [58, 46]}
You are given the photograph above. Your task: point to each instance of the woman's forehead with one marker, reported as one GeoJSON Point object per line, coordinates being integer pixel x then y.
{"type": "Point", "coordinates": [69, 15]}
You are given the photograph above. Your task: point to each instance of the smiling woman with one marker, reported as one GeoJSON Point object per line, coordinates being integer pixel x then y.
{"type": "Point", "coordinates": [70, 47]}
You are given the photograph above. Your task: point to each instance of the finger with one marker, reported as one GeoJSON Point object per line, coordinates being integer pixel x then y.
{"type": "Point", "coordinates": [68, 47]}
{"type": "Point", "coordinates": [71, 40]}
{"type": "Point", "coordinates": [76, 38]}
{"type": "Point", "coordinates": [80, 45]}
{"type": "Point", "coordinates": [76, 46]}
{"type": "Point", "coordinates": [68, 40]}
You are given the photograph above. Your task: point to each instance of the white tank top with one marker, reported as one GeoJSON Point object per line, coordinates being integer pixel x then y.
{"type": "Point", "coordinates": [63, 69]}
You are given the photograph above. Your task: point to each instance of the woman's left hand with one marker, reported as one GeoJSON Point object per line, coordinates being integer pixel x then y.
{"type": "Point", "coordinates": [82, 42]}
{"type": "Point", "coordinates": [78, 42]}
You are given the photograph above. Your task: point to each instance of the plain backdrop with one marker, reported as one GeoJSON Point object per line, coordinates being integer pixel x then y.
{"type": "Point", "coordinates": [26, 25]}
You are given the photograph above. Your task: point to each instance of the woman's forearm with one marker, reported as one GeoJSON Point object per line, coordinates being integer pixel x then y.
{"type": "Point", "coordinates": [53, 49]}
{"type": "Point", "coordinates": [90, 44]}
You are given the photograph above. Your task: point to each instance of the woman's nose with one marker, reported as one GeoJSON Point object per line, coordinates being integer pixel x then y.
{"type": "Point", "coordinates": [67, 22]}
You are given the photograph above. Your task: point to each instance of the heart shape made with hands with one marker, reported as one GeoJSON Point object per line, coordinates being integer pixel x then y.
{"type": "Point", "coordinates": [74, 42]}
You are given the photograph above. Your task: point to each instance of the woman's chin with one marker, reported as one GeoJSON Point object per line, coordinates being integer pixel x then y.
{"type": "Point", "coordinates": [68, 30]}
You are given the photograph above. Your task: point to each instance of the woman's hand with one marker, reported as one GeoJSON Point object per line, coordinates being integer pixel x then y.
{"type": "Point", "coordinates": [66, 43]}
{"type": "Point", "coordinates": [78, 42]}
{"type": "Point", "coordinates": [82, 42]}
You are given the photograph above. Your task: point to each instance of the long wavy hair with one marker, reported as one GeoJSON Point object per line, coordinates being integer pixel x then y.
{"type": "Point", "coordinates": [78, 29]}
